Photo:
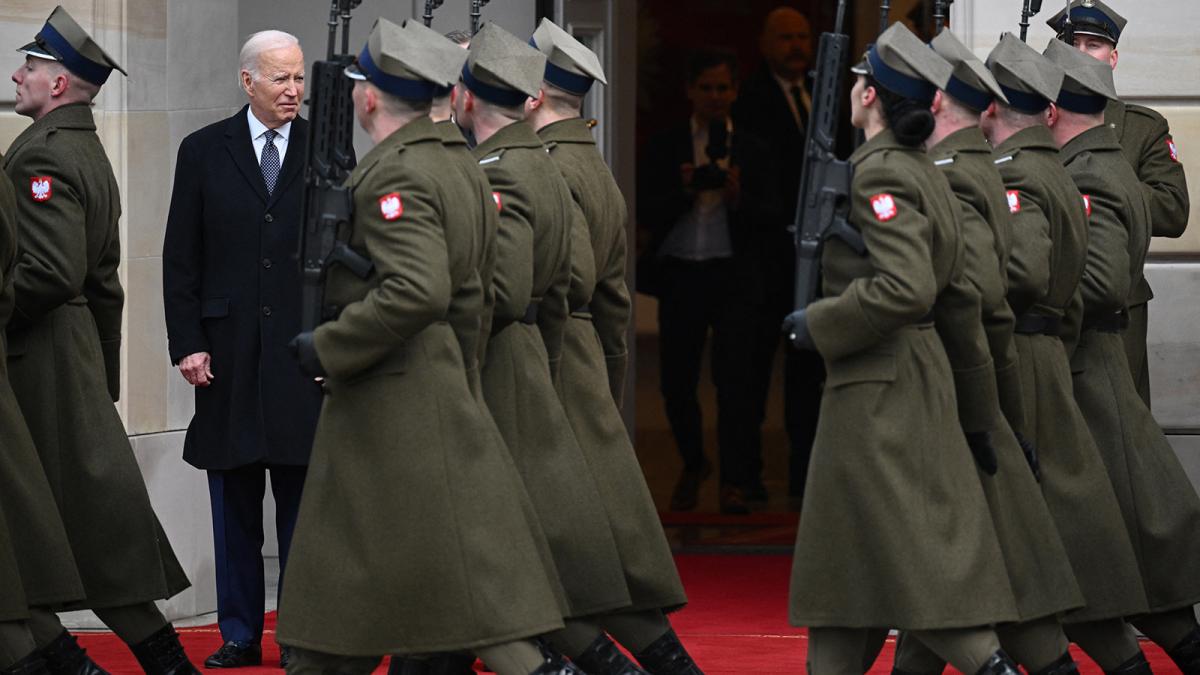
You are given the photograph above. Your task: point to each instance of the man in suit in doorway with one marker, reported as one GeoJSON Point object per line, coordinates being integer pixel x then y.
{"type": "Point", "coordinates": [232, 294]}
{"type": "Point", "coordinates": [775, 101]}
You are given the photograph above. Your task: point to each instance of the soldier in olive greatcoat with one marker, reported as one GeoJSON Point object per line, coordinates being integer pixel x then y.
{"type": "Point", "coordinates": [64, 339]}
{"type": "Point", "coordinates": [1145, 138]}
{"type": "Point", "coordinates": [892, 486]}
{"type": "Point", "coordinates": [1049, 244]}
{"type": "Point", "coordinates": [592, 375]}
{"type": "Point", "coordinates": [1159, 502]}
{"type": "Point", "coordinates": [411, 537]}
{"type": "Point", "coordinates": [1038, 567]}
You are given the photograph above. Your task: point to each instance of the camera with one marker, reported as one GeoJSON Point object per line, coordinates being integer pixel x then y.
{"type": "Point", "coordinates": [711, 176]}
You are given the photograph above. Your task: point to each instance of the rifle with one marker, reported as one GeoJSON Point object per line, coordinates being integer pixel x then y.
{"type": "Point", "coordinates": [823, 206]}
{"type": "Point", "coordinates": [476, 6]}
{"type": "Point", "coordinates": [328, 204]}
{"type": "Point", "coordinates": [1031, 8]}
{"type": "Point", "coordinates": [430, 5]}
{"type": "Point", "coordinates": [1068, 34]}
{"type": "Point", "coordinates": [885, 15]}
{"type": "Point", "coordinates": [941, 12]}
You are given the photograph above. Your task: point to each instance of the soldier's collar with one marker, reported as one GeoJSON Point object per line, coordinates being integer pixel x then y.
{"type": "Point", "coordinates": [70, 116]}
{"type": "Point", "coordinates": [516, 135]}
{"type": "Point", "coordinates": [575, 130]}
{"type": "Point", "coordinates": [1037, 137]}
{"type": "Point", "coordinates": [1097, 138]}
{"type": "Point", "coordinates": [885, 140]}
{"type": "Point", "coordinates": [969, 139]}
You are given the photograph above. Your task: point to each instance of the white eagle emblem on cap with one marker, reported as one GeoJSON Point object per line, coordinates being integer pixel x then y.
{"type": "Point", "coordinates": [390, 206]}
{"type": "Point", "coordinates": [40, 188]}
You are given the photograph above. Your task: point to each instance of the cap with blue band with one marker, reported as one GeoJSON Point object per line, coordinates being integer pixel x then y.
{"type": "Point", "coordinates": [415, 90]}
{"type": "Point", "coordinates": [1088, 85]}
{"type": "Point", "coordinates": [1090, 17]}
{"type": "Point", "coordinates": [904, 65]}
{"type": "Point", "coordinates": [1025, 102]}
{"type": "Point", "coordinates": [894, 80]}
{"type": "Point", "coordinates": [570, 65]}
{"type": "Point", "coordinates": [975, 98]}
{"type": "Point", "coordinates": [503, 69]}
{"type": "Point", "coordinates": [62, 39]}
{"type": "Point", "coordinates": [1027, 79]}
{"type": "Point", "coordinates": [408, 61]}
{"type": "Point", "coordinates": [498, 95]}
{"type": "Point", "coordinates": [970, 82]}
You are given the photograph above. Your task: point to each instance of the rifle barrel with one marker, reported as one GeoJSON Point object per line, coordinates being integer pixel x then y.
{"type": "Point", "coordinates": [885, 12]}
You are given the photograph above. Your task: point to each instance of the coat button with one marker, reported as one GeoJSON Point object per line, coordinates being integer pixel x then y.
{"type": "Point", "coordinates": [266, 263]}
{"type": "Point", "coordinates": [266, 310]}
{"type": "Point", "coordinates": [269, 218]}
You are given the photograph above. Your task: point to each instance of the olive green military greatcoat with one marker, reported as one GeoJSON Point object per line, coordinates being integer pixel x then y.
{"type": "Point", "coordinates": [1049, 229]}
{"type": "Point", "coordinates": [533, 263]}
{"type": "Point", "coordinates": [474, 328]}
{"type": "Point", "coordinates": [1160, 505]}
{"type": "Point", "coordinates": [64, 358]}
{"type": "Point", "coordinates": [1146, 141]}
{"type": "Point", "coordinates": [593, 367]}
{"type": "Point", "coordinates": [1037, 563]}
{"type": "Point", "coordinates": [896, 530]}
{"type": "Point", "coordinates": [409, 539]}
{"type": "Point", "coordinates": [34, 527]}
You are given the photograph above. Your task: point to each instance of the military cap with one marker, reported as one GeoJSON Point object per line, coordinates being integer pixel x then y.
{"type": "Point", "coordinates": [450, 55]}
{"type": "Point", "coordinates": [62, 39]}
{"type": "Point", "coordinates": [502, 69]}
{"type": "Point", "coordinates": [1028, 79]}
{"type": "Point", "coordinates": [970, 81]}
{"type": "Point", "coordinates": [570, 65]}
{"type": "Point", "coordinates": [1088, 85]}
{"type": "Point", "coordinates": [902, 64]}
{"type": "Point", "coordinates": [1090, 17]}
{"type": "Point", "coordinates": [404, 64]}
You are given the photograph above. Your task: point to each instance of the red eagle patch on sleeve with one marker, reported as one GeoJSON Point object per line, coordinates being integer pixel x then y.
{"type": "Point", "coordinates": [885, 207]}
{"type": "Point", "coordinates": [499, 202]}
{"type": "Point", "coordinates": [1087, 205]}
{"type": "Point", "coordinates": [1173, 149]}
{"type": "Point", "coordinates": [391, 206]}
{"type": "Point", "coordinates": [1014, 201]}
{"type": "Point", "coordinates": [41, 188]}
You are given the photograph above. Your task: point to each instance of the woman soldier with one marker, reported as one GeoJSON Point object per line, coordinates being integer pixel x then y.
{"type": "Point", "coordinates": [896, 530]}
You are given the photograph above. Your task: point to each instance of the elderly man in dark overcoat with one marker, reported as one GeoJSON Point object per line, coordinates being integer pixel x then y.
{"type": "Point", "coordinates": [232, 294]}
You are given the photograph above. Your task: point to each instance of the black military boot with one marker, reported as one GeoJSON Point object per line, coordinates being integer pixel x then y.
{"type": "Point", "coordinates": [1186, 654]}
{"type": "Point", "coordinates": [563, 668]}
{"type": "Point", "coordinates": [64, 656]}
{"type": "Point", "coordinates": [1136, 665]}
{"type": "Point", "coordinates": [603, 658]}
{"type": "Point", "coordinates": [1064, 665]}
{"type": "Point", "coordinates": [998, 664]}
{"type": "Point", "coordinates": [33, 664]}
{"type": "Point", "coordinates": [438, 664]}
{"type": "Point", "coordinates": [161, 654]}
{"type": "Point", "coordinates": [666, 656]}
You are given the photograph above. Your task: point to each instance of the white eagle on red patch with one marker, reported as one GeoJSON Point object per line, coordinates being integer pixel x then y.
{"type": "Point", "coordinates": [1173, 150]}
{"type": "Point", "coordinates": [390, 206]}
{"type": "Point", "coordinates": [41, 187]}
{"type": "Point", "coordinates": [885, 207]}
{"type": "Point", "coordinates": [1014, 201]}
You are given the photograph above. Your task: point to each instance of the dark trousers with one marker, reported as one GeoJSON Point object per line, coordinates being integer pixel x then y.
{"type": "Point", "coordinates": [237, 513]}
{"type": "Point", "coordinates": [696, 298]}
{"type": "Point", "coordinates": [803, 376]}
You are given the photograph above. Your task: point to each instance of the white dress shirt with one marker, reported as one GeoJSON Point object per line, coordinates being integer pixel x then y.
{"type": "Point", "coordinates": [258, 132]}
{"type": "Point", "coordinates": [703, 232]}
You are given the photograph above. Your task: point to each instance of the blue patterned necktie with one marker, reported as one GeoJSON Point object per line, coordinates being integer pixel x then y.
{"type": "Point", "coordinates": [270, 160]}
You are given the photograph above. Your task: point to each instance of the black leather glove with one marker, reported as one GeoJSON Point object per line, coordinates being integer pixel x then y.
{"type": "Point", "coordinates": [985, 455]}
{"type": "Point", "coordinates": [795, 327]}
{"type": "Point", "coordinates": [306, 353]}
{"type": "Point", "coordinates": [1031, 456]}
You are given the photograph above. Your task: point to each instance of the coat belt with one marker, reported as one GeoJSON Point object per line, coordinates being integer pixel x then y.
{"type": "Point", "coordinates": [1032, 323]}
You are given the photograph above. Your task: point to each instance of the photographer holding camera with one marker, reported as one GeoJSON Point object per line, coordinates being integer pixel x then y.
{"type": "Point", "coordinates": [706, 189]}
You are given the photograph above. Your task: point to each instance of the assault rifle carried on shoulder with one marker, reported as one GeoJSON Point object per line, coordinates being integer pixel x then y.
{"type": "Point", "coordinates": [941, 13]}
{"type": "Point", "coordinates": [823, 208]}
{"type": "Point", "coordinates": [328, 204]}
{"type": "Point", "coordinates": [476, 12]}
{"type": "Point", "coordinates": [1031, 8]}
{"type": "Point", "coordinates": [430, 5]}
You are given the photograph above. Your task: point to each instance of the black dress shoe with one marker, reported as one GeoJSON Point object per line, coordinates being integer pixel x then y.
{"type": "Point", "coordinates": [234, 654]}
{"type": "Point", "coordinates": [32, 664]}
{"type": "Point", "coordinates": [1135, 665]}
{"type": "Point", "coordinates": [603, 658]}
{"type": "Point", "coordinates": [162, 654]}
{"type": "Point", "coordinates": [733, 502]}
{"type": "Point", "coordinates": [1064, 665]}
{"type": "Point", "coordinates": [666, 656]}
{"type": "Point", "coordinates": [1186, 654]}
{"type": "Point", "coordinates": [64, 656]}
{"type": "Point", "coordinates": [998, 664]}
{"type": "Point", "coordinates": [687, 488]}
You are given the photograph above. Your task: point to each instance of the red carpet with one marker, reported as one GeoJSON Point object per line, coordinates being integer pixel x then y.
{"type": "Point", "coordinates": [736, 623]}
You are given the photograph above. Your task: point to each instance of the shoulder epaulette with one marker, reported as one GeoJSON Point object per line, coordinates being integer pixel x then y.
{"type": "Point", "coordinates": [944, 162]}
{"type": "Point", "coordinates": [1002, 160]}
{"type": "Point", "coordinates": [491, 159]}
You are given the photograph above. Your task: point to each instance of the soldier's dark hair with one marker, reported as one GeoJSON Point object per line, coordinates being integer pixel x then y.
{"type": "Point", "coordinates": [909, 119]}
{"type": "Point", "coordinates": [705, 59]}
{"type": "Point", "coordinates": [458, 37]}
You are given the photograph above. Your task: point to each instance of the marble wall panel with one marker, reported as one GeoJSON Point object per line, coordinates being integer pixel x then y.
{"type": "Point", "coordinates": [202, 53]}
{"type": "Point", "coordinates": [147, 366]}
{"type": "Point", "coordinates": [1188, 449]}
{"type": "Point", "coordinates": [1185, 128]}
{"type": "Point", "coordinates": [148, 183]}
{"type": "Point", "coordinates": [1173, 350]}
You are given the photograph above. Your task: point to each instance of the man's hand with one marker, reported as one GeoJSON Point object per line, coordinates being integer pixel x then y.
{"type": "Point", "coordinates": [197, 369]}
{"type": "Point", "coordinates": [795, 328]}
{"type": "Point", "coordinates": [306, 353]}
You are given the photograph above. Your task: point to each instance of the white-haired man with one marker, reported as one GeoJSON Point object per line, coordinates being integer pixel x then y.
{"type": "Point", "coordinates": [232, 296]}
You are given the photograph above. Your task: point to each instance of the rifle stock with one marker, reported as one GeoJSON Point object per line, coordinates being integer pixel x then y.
{"type": "Point", "coordinates": [328, 205]}
{"type": "Point", "coordinates": [822, 210]}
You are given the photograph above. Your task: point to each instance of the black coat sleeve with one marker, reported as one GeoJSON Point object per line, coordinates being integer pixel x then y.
{"type": "Point", "coordinates": [183, 251]}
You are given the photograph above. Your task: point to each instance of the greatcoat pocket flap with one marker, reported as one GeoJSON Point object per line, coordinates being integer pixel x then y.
{"type": "Point", "coordinates": [870, 366]}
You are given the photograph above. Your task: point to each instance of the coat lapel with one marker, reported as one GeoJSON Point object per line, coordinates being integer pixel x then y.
{"type": "Point", "coordinates": [241, 149]}
{"type": "Point", "coordinates": [293, 161]}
